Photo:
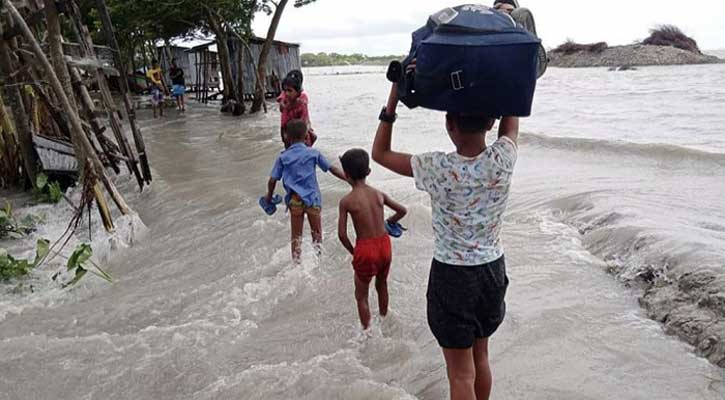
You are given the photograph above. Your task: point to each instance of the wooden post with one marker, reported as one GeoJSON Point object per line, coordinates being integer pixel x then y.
{"type": "Point", "coordinates": [205, 75]}
{"type": "Point", "coordinates": [120, 65]}
{"type": "Point", "coordinates": [198, 74]}
{"type": "Point", "coordinates": [83, 147]}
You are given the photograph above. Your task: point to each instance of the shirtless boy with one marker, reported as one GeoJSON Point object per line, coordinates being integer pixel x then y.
{"type": "Point", "coordinates": [372, 253]}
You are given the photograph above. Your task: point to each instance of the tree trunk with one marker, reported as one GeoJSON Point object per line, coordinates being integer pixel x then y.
{"type": "Point", "coordinates": [240, 78]}
{"type": "Point", "coordinates": [56, 50]}
{"type": "Point", "coordinates": [261, 68]}
{"type": "Point", "coordinates": [225, 62]}
{"type": "Point", "coordinates": [20, 116]}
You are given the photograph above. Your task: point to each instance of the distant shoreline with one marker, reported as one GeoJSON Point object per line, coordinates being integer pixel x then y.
{"type": "Point", "coordinates": [338, 60]}
{"type": "Point", "coordinates": [633, 55]}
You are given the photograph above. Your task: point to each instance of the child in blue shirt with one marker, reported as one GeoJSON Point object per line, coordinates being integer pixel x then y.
{"type": "Point", "coordinates": [296, 168]}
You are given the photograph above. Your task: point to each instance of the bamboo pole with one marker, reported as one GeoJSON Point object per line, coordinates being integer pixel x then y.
{"type": "Point", "coordinates": [109, 103]}
{"type": "Point", "coordinates": [17, 107]}
{"type": "Point", "coordinates": [8, 147]}
{"type": "Point", "coordinates": [89, 109]}
{"type": "Point", "coordinates": [120, 65]}
{"type": "Point", "coordinates": [84, 149]}
{"type": "Point", "coordinates": [103, 208]}
{"type": "Point", "coordinates": [56, 50]}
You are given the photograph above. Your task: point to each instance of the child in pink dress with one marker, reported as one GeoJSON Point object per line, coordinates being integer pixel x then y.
{"type": "Point", "coordinates": [293, 104]}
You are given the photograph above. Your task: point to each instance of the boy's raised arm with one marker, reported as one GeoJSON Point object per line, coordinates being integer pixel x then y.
{"type": "Point", "coordinates": [342, 228]}
{"type": "Point", "coordinates": [509, 127]}
{"type": "Point", "coordinates": [400, 210]}
{"type": "Point", "coordinates": [382, 153]}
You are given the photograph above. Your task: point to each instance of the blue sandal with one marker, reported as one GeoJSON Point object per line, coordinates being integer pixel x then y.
{"type": "Point", "coordinates": [271, 207]}
{"type": "Point", "coordinates": [394, 229]}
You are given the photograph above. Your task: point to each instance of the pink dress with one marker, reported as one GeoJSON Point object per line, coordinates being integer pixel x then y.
{"type": "Point", "coordinates": [295, 110]}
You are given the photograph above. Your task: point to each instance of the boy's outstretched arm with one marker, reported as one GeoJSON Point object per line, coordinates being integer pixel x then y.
{"type": "Point", "coordinates": [382, 154]}
{"type": "Point", "coordinates": [271, 184]}
{"type": "Point", "coordinates": [342, 228]}
{"type": "Point", "coordinates": [400, 210]}
{"type": "Point", "coordinates": [338, 173]}
{"type": "Point", "coordinates": [509, 127]}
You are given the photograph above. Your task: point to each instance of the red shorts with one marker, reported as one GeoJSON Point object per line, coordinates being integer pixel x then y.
{"type": "Point", "coordinates": [372, 257]}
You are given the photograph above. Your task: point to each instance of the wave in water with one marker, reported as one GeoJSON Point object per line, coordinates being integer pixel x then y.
{"type": "Point", "coordinates": [682, 275]}
{"type": "Point", "coordinates": [656, 151]}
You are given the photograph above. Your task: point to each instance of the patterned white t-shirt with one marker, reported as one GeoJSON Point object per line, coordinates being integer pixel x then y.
{"type": "Point", "coordinates": [468, 200]}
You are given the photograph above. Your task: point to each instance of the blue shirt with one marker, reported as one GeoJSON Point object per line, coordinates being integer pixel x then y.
{"type": "Point", "coordinates": [296, 167]}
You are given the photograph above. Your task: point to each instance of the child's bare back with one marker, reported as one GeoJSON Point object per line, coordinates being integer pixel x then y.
{"type": "Point", "coordinates": [365, 205]}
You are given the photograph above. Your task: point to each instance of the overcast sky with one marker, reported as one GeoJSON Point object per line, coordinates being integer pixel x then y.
{"type": "Point", "coordinates": [381, 27]}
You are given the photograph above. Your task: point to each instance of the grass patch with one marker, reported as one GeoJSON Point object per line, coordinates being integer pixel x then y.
{"type": "Point", "coordinates": [571, 47]}
{"type": "Point", "coordinates": [670, 35]}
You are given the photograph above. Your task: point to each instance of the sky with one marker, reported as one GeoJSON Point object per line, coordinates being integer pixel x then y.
{"type": "Point", "coordinates": [383, 27]}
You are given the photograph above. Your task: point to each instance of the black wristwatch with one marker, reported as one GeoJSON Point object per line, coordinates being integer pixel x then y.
{"type": "Point", "coordinates": [385, 117]}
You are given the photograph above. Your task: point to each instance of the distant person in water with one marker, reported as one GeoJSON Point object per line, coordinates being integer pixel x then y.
{"type": "Point", "coordinates": [469, 191]}
{"type": "Point", "coordinates": [521, 15]}
{"type": "Point", "coordinates": [158, 88]}
{"type": "Point", "coordinates": [372, 253]}
{"type": "Point", "coordinates": [178, 84]}
{"type": "Point", "coordinates": [293, 104]}
{"type": "Point", "coordinates": [297, 167]}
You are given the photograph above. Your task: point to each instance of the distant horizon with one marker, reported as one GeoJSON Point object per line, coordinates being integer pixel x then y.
{"type": "Point", "coordinates": [380, 27]}
{"type": "Point", "coordinates": [403, 54]}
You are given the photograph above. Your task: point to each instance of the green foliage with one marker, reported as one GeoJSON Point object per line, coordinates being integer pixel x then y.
{"type": "Point", "coordinates": [47, 192]}
{"type": "Point", "coordinates": [10, 227]}
{"type": "Point", "coordinates": [11, 268]}
{"type": "Point", "coordinates": [77, 263]}
{"type": "Point", "coordinates": [325, 59]}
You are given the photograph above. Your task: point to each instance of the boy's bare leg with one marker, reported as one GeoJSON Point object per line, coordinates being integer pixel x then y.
{"type": "Point", "coordinates": [484, 380]}
{"type": "Point", "coordinates": [381, 286]}
{"type": "Point", "coordinates": [461, 373]}
{"type": "Point", "coordinates": [297, 223]}
{"type": "Point", "coordinates": [361, 296]}
{"type": "Point", "coordinates": [315, 220]}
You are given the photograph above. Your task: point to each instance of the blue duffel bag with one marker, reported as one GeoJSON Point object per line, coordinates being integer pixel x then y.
{"type": "Point", "coordinates": [472, 59]}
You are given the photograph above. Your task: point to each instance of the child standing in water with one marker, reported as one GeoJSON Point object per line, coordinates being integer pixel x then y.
{"type": "Point", "coordinates": [158, 87]}
{"type": "Point", "coordinates": [372, 252]}
{"type": "Point", "coordinates": [297, 166]}
{"type": "Point", "coordinates": [469, 191]}
{"type": "Point", "coordinates": [293, 104]}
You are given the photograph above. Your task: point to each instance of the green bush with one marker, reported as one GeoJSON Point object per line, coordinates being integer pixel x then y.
{"type": "Point", "coordinates": [11, 268]}
{"type": "Point", "coordinates": [11, 227]}
{"type": "Point", "coordinates": [47, 192]}
{"type": "Point", "coordinates": [79, 264]}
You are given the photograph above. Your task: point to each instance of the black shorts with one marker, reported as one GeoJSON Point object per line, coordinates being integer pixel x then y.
{"type": "Point", "coordinates": [466, 302]}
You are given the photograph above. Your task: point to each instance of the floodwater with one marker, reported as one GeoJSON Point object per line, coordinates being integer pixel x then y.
{"type": "Point", "coordinates": [207, 306]}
